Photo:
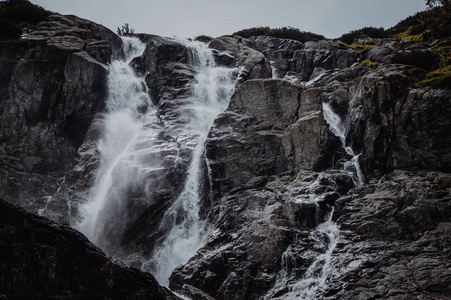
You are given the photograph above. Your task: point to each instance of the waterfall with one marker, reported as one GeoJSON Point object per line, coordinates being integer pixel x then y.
{"type": "Point", "coordinates": [131, 150]}
{"type": "Point", "coordinates": [315, 277]}
{"type": "Point", "coordinates": [337, 128]}
{"type": "Point", "coordinates": [188, 228]}
{"type": "Point", "coordinates": [123, 124]}
{"type": "Point", "coordinates": [288, 285]}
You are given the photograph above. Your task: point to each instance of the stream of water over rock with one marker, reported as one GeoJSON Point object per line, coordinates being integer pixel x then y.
{"type": "Point", "coordinates": [188, 231]}
{"type": "Point", "coordinates": [123, 125]}
{"type": "Point", "coordinates": [131, 128]}
{"type": "Point", "coordinates": [289, 286]}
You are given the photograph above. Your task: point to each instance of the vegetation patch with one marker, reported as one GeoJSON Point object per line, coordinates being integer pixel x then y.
{"type": "Point", "coordinates": [440, 78]}
{"type": "Point", "coordinates": [427, 60]}
{"type": "Point", "coordinates": [9, 31]}
{"type": "Point", "coordinates": [87, 42]}
{"type": "Point", "coordinates": [358, 47]}
{"type": "Point", "coordinates": [368, 63]}
{"type": "Point", "coordinates": [203, 38]}
{"type": "Point", "coordinates": [371, 32]}
{"type": "Point", "coordinates": [302, 88]}
{"type": "Point", "coordinates": [16, 14]}
{"type": "Point", "coordinates": [425, 26]}
{"type": "Point", "coordinates": [283, 33]}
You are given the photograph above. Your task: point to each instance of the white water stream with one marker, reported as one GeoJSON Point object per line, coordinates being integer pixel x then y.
{"type": "Point", "coordinates": [288, 286]}
{"type": "Point", "coordinates": [337, 128]}
{"type": "Point", "coordinates": [211, 94]}
{"type": "Point", "coordinates": [123, 124]}
{"type": "Point", "coordinates": [129, 140]}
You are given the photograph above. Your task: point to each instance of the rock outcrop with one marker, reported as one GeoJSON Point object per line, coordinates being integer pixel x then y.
{"type": "Point", "coordinates": [43, 260]}
{"type": "Point", "coordinates": [266, 241]}
{"type": "Point", "coordinates": [53, 84]}
{"type": "Point", "coordinates": [351, 205]}
{"type": "Point", "coordinates": [254, 123]}
{"type": "Point", "coordinates": [400, 231]}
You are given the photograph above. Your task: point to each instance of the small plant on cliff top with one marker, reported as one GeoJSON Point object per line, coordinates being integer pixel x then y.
{"type": "Point", "coordinates": [125, 30]}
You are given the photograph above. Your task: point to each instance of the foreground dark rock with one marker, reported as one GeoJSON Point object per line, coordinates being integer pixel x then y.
{"type": "Point", "coordinates": [40, 259]}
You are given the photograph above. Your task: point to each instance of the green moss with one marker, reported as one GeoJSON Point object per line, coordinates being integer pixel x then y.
{"type": "Point", "coordinates": [445, 55]}
{"type": "Point", "coordinates": [88, 41]}
{"type": "Point", "coordinates": [302, 88]}
{"type": "Point", "coordinates": [358, 47]}
{"type": "Point", "coordinates": [368, 63]}
{"type": "Point", "coordinates": [440, 78]}
{"type": "Point", "coordinates": [408, 36]}
{"type": "Point", "coordinates": [425, 26]}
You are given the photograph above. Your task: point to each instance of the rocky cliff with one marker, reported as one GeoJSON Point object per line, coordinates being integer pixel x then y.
{"type": "Point", "coordinates": [327, 176]}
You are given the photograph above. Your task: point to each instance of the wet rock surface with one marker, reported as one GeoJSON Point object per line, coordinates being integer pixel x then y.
{"type": "Point", "coordinates": [265, 242]}
{"type": "Point", "coordinates": [399, 228]}
{"type": "Point", "coordinates": [254, 123]}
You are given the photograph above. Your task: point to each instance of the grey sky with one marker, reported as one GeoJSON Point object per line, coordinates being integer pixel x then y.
{"type": "Point", "coordinates": [184, 18]}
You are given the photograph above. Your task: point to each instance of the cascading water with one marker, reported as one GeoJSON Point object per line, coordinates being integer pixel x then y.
{"type": "Point", "coordinates": [289, 285]}
{"type": "Point", "coordinates": [336, 126]}
{"type": "Point", "coordinates": [188, 228]}
{"type": "Point", "coordinates": [123, 124]}
{"type": "Point", "coordinates": [316, 275]}
{"type": "Point", "coordinates": [131, 155]}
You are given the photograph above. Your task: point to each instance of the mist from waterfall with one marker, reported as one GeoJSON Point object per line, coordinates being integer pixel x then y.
{"type": "Point", "coordinates": [130, 150]}
{"type": "Point", "coordinates": [122, 125]}
{"type": "Point", "coordinates": [188, 227]}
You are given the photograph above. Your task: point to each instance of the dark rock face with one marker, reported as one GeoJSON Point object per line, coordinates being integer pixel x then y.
{"type": "Point", "coordinates": [253, 64]}
{"type": "Point", "coordinates": [43, 260]}
{"type": "Point", "coordinates": [253, 226]}
{"type": "Point", "coordinates": [400, 232]}
{"type": "Point", "coordinates": [254, 123]}
{"type": "Point", "coordinates": [265, 223]}
{"type": "Point", "coordinates": [397, 127]}
{"type": "Point", "coordinates": [51, 91]}
{"type": "Point", "coordinates": [293, 60]}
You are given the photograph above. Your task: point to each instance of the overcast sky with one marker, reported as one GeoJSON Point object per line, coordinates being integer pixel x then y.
{"type": "Point", "coordinates": [189, 18]}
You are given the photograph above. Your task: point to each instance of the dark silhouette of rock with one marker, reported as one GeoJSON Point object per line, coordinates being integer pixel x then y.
{"type": "Point", "coordinates": [43, 260]}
